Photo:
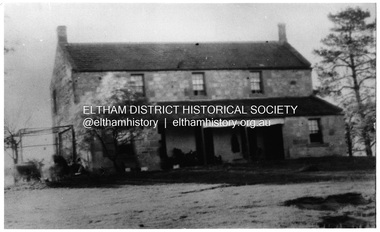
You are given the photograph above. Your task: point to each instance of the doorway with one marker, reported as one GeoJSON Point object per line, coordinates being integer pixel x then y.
{"type": "Point", "coordinates": [266, 143]}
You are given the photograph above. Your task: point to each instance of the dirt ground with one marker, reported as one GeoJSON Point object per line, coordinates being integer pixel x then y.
{"type": "Point", "coordinates": [180, 205]}
{"type": "Point", "coordinates": [306, 193]}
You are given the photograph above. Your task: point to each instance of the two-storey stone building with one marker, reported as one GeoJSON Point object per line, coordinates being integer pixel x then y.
{"type": "Point", "coordinates": [242, 73]}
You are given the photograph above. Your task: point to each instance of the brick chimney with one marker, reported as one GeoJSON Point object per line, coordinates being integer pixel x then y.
{"type": "Point", "coordinates": [282, 33]}
{"type": "Point", "coordinates": [62, 35]}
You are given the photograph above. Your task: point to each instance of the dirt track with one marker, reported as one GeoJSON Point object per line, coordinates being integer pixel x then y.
{"type": "Point", "coordinates": [177, 206]}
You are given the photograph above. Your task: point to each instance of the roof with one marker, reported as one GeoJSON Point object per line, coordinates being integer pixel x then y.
{"type": "Point", "coordinates": [306, 106]}
{"type": "Point", "coordinates": [92, 57]}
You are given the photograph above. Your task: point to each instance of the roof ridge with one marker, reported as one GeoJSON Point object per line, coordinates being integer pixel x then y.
{"type": "Point", "coordinates": [194, 56]}
{"type": "Point", "coordinates": [194, 42]}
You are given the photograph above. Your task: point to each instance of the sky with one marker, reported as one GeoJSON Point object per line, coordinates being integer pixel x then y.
{"type": "Point", "coordinates": [30, 29]}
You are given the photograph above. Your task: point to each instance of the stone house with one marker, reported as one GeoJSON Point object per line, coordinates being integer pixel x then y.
{"type": "Point", "coordinates": [238, 74]}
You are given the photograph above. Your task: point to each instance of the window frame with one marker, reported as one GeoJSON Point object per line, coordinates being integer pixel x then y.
{"type": "Point", "coordinates": [197, 92]}
{"type": "Point", "coordinates": [252, 82]}
{"type": "Point", "coordinates": [134, 86]}
{"type": "Point", "coordinates": [315, 131]}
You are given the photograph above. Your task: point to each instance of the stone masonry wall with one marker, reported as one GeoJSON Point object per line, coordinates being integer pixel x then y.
{"type": "Point", "coordinates": [177, 86]}
{"type": "Point", "coordinates": [171, 86]}
{"type": "Point", "coordinates": [297, 143]}
{"type": "Point", "coordinates": [280, 83]}
{"type": "Point", "coordinates": [62, 84]}
{"type": "Point", "coordinates": [220, 84]}
{"type": "Point", "coordinates": [227, 84]}
{"type": "Point", "coordinates": [147, 149]}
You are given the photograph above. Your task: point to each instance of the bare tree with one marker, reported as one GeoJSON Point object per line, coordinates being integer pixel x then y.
{"type": "Point", "coordinates": [12, 142]}
{"type": "Point", "coordinates": [12, 122]}
{"type": "Point", "coordinates": [11, 135]}
{"type": "Point", "coordinates": [347, 71]}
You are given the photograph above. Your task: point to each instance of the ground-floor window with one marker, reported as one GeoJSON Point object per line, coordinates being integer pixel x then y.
{"type": "Point", "coordinates": [315, 132]}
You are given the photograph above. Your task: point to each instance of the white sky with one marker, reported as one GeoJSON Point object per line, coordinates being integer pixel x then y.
{"type": "Point", "coordinates": [31, 30]}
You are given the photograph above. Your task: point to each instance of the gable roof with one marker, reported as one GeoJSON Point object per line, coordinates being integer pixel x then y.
{"type": "Point", "coordinates": [306, 106]}
{"type": "Point", "coordinates": [92, 57]}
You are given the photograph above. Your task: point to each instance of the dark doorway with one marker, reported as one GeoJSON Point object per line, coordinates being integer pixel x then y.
{"type": "Point", "coordinates": [274, 145]}
{"type": "Point", "coordinates": [205, 145]}
{"type": "Point", "coordinates": [199, 143]}
{"type": "Point", "coordinates": [126, 155]}
{"type": "Point", "coordinates": [209, 145]}
{"type": "Point", "coordinates": [266, 143]}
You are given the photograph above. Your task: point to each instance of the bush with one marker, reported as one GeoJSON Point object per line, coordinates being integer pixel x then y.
{"type": "Point", "coordinates": [28, 171]}
{"type": "Point", "coordinates": [60, 169]}
{"type": "Point", "coordinates": [185, 159]}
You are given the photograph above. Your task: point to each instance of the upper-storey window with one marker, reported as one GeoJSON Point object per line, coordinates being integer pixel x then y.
{"type": "Point", "coordinates": [255, 82]}
{"type": "Point", "coordinates": [199, 87]}
{"type": "Point", "coordinates": [136, 83]}
{"type": "Point", "coordinates": [315, 131]}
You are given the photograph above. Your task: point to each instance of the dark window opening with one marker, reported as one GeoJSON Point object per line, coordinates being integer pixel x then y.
{"type": "Point", "coordinates": [55, 101]}
{"type": "Point", "coordinates": [315, 132]}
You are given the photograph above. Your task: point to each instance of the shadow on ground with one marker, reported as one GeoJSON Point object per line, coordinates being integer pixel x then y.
{"type": "Point", "coordinates": [268, 172]}
{"type": "Point", "coordinates": [362, 216]}
{"type": "Point", "coordinates": [332, 202]}
{"type": "Point", "coordinates": [343, 221]}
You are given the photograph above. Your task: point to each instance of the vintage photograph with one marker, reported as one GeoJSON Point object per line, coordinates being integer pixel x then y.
{"type": "Point", "coordinates": [196, 116]}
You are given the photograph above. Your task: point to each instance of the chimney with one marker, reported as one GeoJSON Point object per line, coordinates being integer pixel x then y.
{"type": "Point", "coordinates": [62, 35]}
{"type": "Point", "coordinates": [282, 33]}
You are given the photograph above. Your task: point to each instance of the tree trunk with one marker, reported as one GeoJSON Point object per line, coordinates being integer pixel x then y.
{"type": "Point", "coordinates": [364, 132]}
{"type": "Point", "coordinates": [348, 139]}
{"type": "Point", "coordinates": [367, 141]}
{"type": "Point", "coordinates": [119, 167]}
{"type": "Point", "coordinates": [15, 154]}
{"type": "Point", "coordinates": [15, 162]}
